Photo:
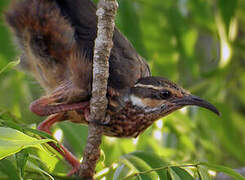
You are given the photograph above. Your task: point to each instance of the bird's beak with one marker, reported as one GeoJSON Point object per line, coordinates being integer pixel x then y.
{"type": "Point", "coordinates": [196, 101]}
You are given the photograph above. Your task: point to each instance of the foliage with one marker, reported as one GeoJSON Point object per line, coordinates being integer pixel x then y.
{"type": "Point", "coordinates": [200, 45]}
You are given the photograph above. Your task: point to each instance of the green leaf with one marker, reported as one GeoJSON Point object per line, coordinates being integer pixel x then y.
{"type": "Point", "coordinates": [10, 65]}
{"type": "Point", "coordinates": [139, 165]}
{"type": "Point", "coordinates": [203, 173]}
{"type": "Point", "coordinates": [75, 134]}
{"type": "Point", "coordinates": [37, 169]}
{"type": "Point", "coordinates": [173, 174]}
{"type": "Point", "coordinates": [120, 172]}
{"type": "Point", "coordinates": [10, 124]}
{"type": "Point", "coordinates": [21, 159]}
{"type": "Point", "coordinates": [177, 173]}
{"type": "Point", "coordinates": [13, 141]}
{"type": "Point", "coordinates": [224, 169]}
{"type": "Point", "coordinates": [8, 168]}
{"type": "Point", "coordinates": [153, 161]}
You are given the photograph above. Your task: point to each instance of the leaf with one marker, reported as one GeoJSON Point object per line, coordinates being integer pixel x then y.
{"type": "Point", "coordinates": [203, 173]}
{"type": "Point", "coordinates": [10, 65]}
{"type": "Point", "coordinates": [120, 172]}
{"type": "Point", "coordinates": [13, 141]}
{"type": "Point", "coordinates": [153, 161]}
{"type": "Point", "coordinates": [21, 159]}
{"type": "Point", "coordinates": [8, 168]}
{"type": "Point", "coordinates": [178, 173]}
{"type": "Point", "coordinates": [10, 124]}
{"type": "Point", "coordinates": [37, 169]}
{"type": "Point", "coordinates": [75, 135]}
{"type": "Point", "coordinates": [224, 169]}
{"type": "Point", "coordinates": [173, 174]}
{"type": "Point", "coordinates": [139, 165]}
{"type": "Point", "coordinates": [13, 125]}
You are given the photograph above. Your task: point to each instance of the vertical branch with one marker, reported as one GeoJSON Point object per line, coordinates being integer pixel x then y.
{"type": "Point", "coordinates": [98, 104]}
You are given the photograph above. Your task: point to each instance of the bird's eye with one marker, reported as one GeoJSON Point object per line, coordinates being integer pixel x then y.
{"type": "Point", "coordinates": [165, 94]}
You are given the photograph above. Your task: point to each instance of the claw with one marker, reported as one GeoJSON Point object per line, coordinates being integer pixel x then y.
{"type": "Point", "coordinates": [102, 123]}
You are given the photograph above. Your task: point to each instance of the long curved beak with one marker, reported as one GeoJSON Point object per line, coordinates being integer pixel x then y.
{"type": "Point", "coordinates": [196, 101]}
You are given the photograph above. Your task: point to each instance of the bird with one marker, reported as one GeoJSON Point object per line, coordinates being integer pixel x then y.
{"type": "Point", "coordinates": [56, 40]}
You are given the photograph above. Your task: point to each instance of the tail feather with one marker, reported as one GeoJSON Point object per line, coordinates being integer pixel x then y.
{"type": "Point", "coordinates": [45, 38]}
{"type": "Point", "coordinates": [38, 24]}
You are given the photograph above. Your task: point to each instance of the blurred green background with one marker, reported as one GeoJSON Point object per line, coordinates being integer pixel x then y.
{"type": "Point", "coordinates": [199, 44]}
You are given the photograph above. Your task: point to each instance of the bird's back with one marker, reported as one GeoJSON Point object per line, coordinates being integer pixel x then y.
{"type": "Point", "coordinates": [126, 65]}
{"type": "Point", "coordinates": [57, 39]}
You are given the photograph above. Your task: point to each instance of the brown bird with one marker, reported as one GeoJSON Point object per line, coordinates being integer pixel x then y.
{"type": "Point", "coordinates": [56, 39]}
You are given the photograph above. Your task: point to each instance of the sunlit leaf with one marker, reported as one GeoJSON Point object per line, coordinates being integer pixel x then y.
{"type": "Point", "coordinates": [203, 173]}
{"type": "Point", "coordinates": [13, 141]}
{"type": "Point", "coordinates": [13, 125]}
{"type": "Point", "coordinates": [121, 171]}
{"type": "Point", "coordinates": [178, 173]}
{"type": "Point", "coordinates": [38, 169]}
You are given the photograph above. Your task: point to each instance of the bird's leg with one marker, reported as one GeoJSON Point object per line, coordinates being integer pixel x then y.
{"type": "Point", "coordinates": [46, 126]}
{"type": "Point", "coordinates": [48, 105]}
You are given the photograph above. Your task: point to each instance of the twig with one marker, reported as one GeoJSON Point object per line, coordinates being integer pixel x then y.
{"type": "Point", "coordinates": [106, 15]}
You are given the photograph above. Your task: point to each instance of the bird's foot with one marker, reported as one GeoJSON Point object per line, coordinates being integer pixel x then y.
{"type": "Point", "coordinates": [98, 122]}
{"type": "Point", "coordinates": [106, 121]}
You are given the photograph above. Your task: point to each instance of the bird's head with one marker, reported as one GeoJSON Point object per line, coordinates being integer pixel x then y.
{"type": "Point", "coordinates": [159, 96]}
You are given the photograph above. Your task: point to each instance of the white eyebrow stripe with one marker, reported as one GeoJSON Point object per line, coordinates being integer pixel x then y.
{"type": "Point", "coordinates": [147, 86]}
{"type": "Point", "coordinates": [136, 101]}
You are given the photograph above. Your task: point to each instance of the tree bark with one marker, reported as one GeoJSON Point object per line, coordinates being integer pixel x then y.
{"type": "Point", "coordinates": [106, 13]}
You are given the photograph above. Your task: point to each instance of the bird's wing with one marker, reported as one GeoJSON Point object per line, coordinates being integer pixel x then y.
{"type": "Point", "coordinates": [126, 65]}
{"type": "Point", "coordinates": [57, 39]}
